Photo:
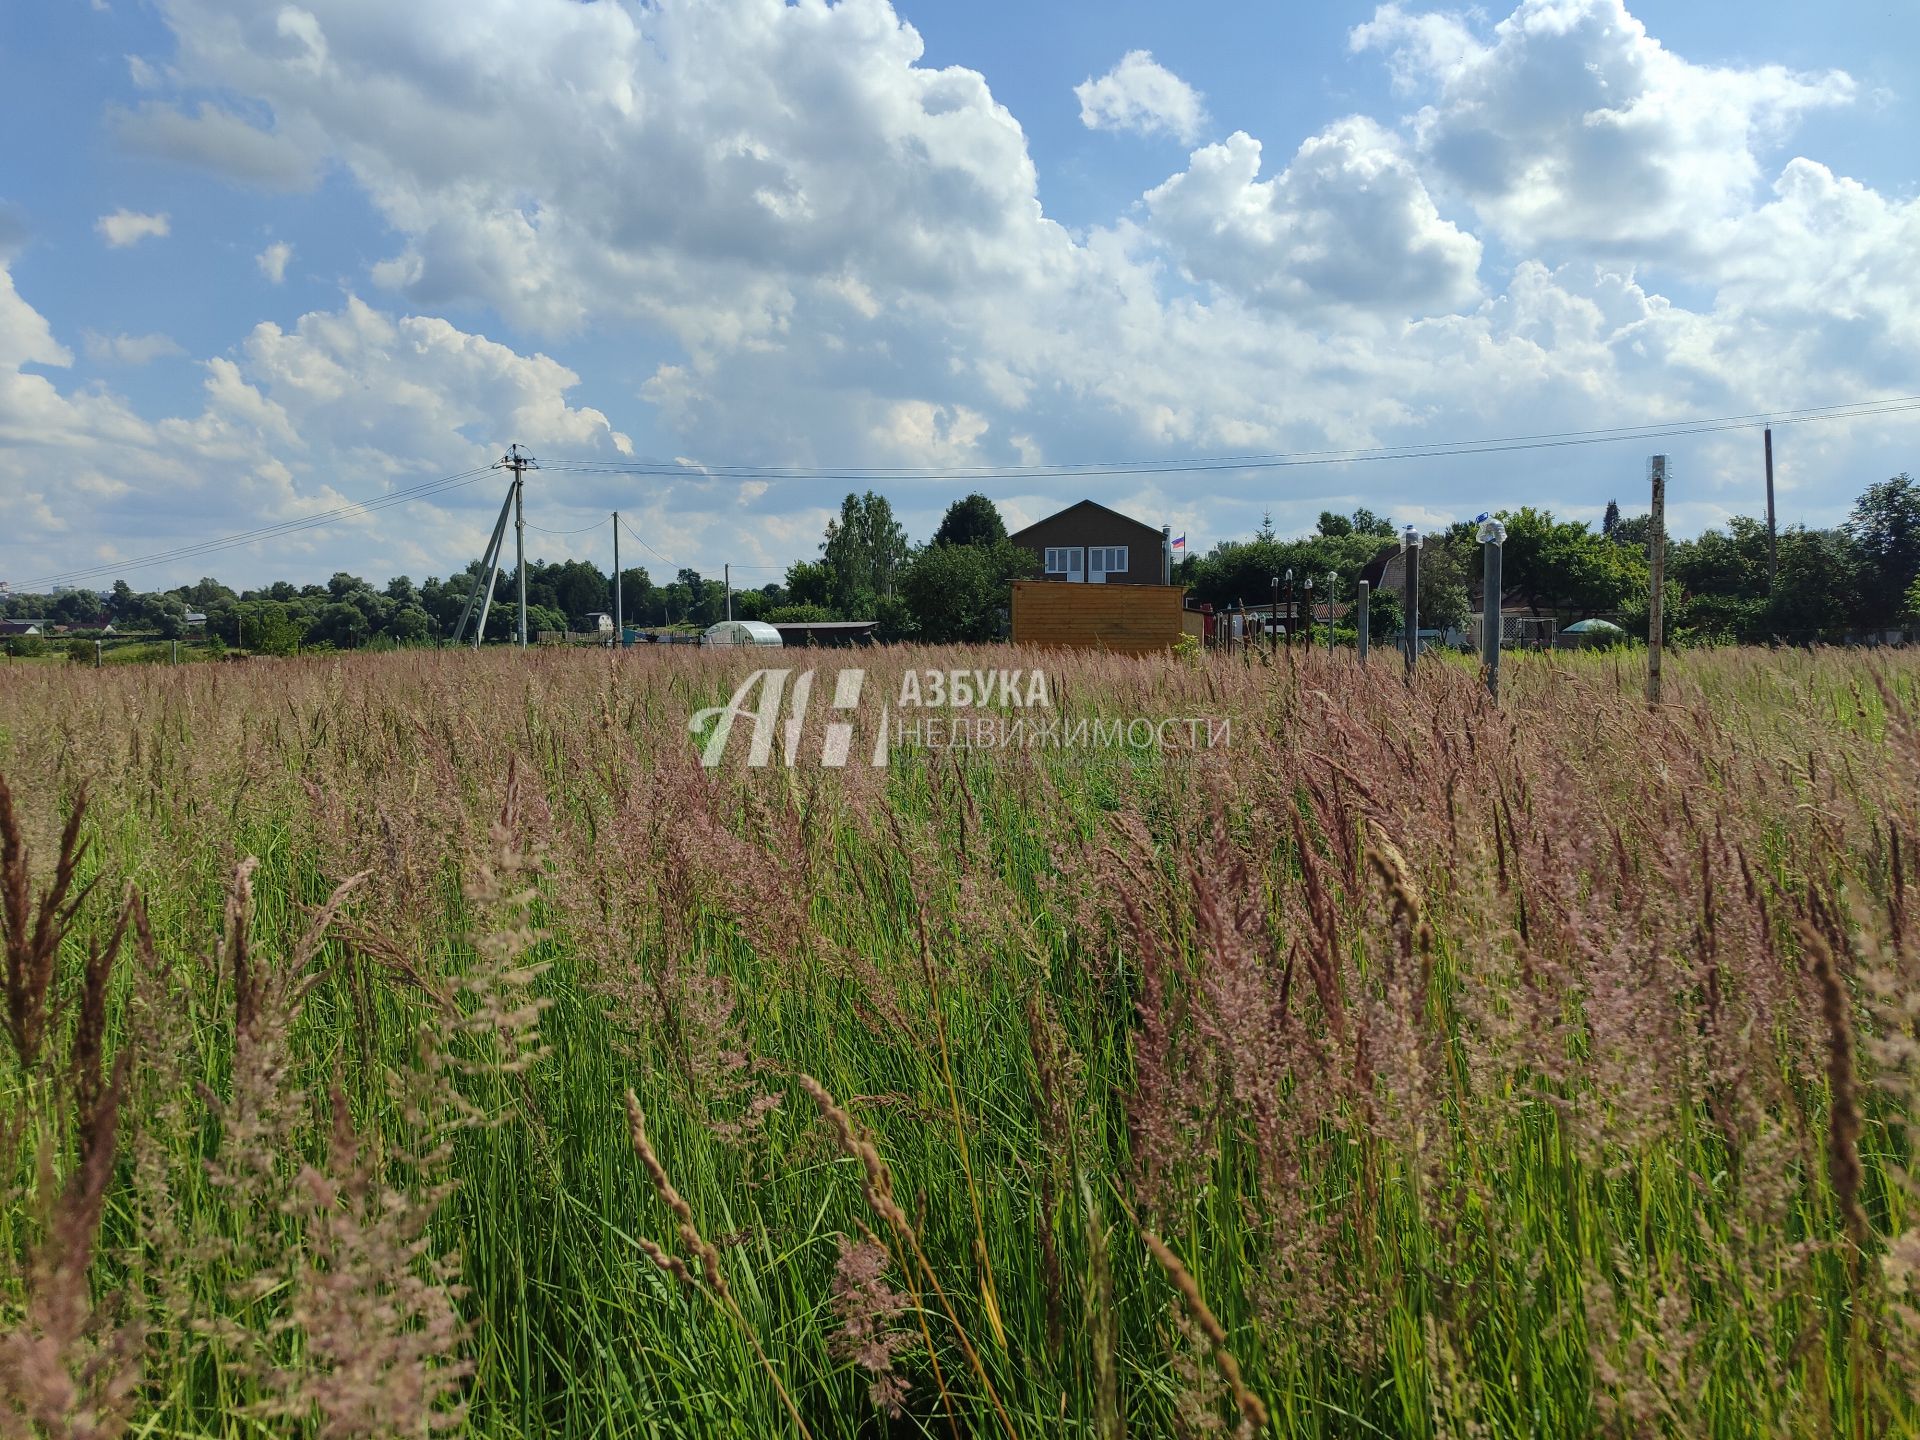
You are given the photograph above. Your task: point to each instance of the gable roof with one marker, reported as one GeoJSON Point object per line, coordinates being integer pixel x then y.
{"type": "Point", "coordinates": [1082, 505]}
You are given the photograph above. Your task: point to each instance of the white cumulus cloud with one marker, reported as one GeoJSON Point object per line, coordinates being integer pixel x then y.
{"type": "Point", "coordinates": [840, 255]}
{"type": "Point", "coordinates": [128, 227]}
{"type": "Point", "coordinates": [1347, 222]}
{"type": "Point", "coordinates": [273, 261]}
{"type": "Point", "coordinates": [1142, 95]}
{"type": "Point", "coordinates": [1570, 125]}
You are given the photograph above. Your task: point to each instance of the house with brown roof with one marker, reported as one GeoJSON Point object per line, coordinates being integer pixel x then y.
{"type": "Point", "coordinates": [1089, 544]}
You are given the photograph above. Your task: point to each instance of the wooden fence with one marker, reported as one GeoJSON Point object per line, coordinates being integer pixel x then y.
{"type": "Point", "coordinates": [1136, 619]}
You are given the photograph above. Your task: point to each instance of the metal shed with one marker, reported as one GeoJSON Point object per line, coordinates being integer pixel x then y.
{"type": "Point", "coordinates": [741, 632]}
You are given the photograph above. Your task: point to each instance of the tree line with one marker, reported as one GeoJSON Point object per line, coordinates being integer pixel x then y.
{"type": "Point", "coordinates": [1857, 578]}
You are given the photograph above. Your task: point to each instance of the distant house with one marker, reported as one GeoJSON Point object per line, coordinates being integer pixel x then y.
{"type": "Point", "coordinates": [196, 617]}
{"type": "Point", "coordinates": [1089, 544]}
{"type": "Point", "coordinates": [9, 628]}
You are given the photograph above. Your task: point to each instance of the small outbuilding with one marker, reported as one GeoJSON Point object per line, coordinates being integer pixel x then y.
{"type": "Point", "coordinates": [741, 632]}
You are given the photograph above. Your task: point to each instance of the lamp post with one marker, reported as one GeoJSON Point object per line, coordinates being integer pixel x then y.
{"type": "Point", "coordinates": [1332, 582]}
{"type": "Point", "coordinates": [1289, 607]}
{"type": "Point", "coordinates": [1410, 600]}
{"type": "Point", "coordinates": [1493, 536]}
{"type": "Point", "coordinates": [1306, 628]}
{"type": "Point", "coordinates": [1273, 618]}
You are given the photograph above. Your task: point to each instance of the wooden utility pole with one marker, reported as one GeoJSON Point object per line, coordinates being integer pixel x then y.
{"type": "Point", "coordinates": [619, 621]}
{"type": "Point", "coordinates": [1773, 533]}
{"type": "Point", "coordinates": [1656, 600]}
{"type": "Point", "coordinates": [1361, 635]}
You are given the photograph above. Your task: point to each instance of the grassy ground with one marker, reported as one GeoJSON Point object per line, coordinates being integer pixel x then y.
{"type": "Point", "coordinates": [1395, 1066]}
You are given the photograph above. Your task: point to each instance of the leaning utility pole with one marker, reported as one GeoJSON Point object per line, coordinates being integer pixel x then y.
{"type": "Point", "coordinates": [619, 622]}
{"type": "Point", "coordinates": [490, 567]}
{"type": "Point", "coordinates": [519, 464]}
{"type": "Point", "coordinates": [1773, 534]}
{"type": "Point", "coordinates": [1656, 600]}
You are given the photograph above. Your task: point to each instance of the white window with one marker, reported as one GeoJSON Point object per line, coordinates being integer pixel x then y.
{"type": "Point", "coordinates": [1105, 560]}
{"type": "Point", "coordinates": [1064, 562]}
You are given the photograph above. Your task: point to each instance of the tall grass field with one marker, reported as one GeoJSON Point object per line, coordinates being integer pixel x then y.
{"type": "Point", "coordinates": [431, 1043]}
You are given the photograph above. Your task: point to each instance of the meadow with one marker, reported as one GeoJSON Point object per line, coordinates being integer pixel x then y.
{"type": "Point", "coordinates": [428, 1043]}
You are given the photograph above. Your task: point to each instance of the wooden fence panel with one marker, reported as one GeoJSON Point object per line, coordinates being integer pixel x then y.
{"type": "Point", "coordinates": [1135, 619]}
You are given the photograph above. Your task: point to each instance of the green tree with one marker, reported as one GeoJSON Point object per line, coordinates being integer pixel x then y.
{"type": "Point", "coordinates": [1913, 599]}
{"type": "Point", "coordinates": [411, 625]}
{"type": "Point", "coordinates": [974, 520]}
{"type": "Point", "coordinates": [797, 614]}
{"type": "Point", "coordinates": [864, 551]}
{"type": "Point", "coordinates": [958, 592]}
{"type": "Point", "coordinates": [1817, 591]}
{"type": "Point", "coordinates": [1561, 565]}
{"type": "Point", "coordinates": [808, 583]}
{"type": "Point", "coordinates": [270, 628]}
{"type": "Point", "coordinates": [1885, 532]}
{"type": "Point", "coordinates": [1335, 526]}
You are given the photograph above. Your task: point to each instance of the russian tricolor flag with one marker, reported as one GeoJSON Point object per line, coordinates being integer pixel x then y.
{"type": "Point", "coordinates": [1179, 543]}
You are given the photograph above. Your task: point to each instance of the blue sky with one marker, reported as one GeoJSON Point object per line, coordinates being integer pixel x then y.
{"type": "Point", "coordinates": [258, 261]}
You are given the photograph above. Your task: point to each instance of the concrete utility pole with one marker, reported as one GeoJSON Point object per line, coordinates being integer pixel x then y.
{"type": "Point", "coordinates": [726, 581]}
{"type": "Point", "coordinates": [1493, 538]}
{"type": "Point", "coordinates": [1656, 601]}
{"type": "Point", "coordinates": [1364, 609]}
{"type": "Point", "coordinates": [490, 566]}
{"type": "Point", "coordinates": [519, 464]}
{"type": "Point", "coordinates": [1332, 580]}
{"type": "Point", "coordinates": [1410, 600]}
{"type": "Point", "coordinates": [619, 624]}
{"type": "Point", "coordinates": [1773, 534]}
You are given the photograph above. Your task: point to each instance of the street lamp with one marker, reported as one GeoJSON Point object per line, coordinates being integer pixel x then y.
{"type": "Point", "coordinates": [1289, 607]}
{"type": "Point", "coordinates": [1273, 617]}
{"type": "Point", "coordinates": [1333, 582]}
{"type": "Point", "coordinates": [1306, 628]}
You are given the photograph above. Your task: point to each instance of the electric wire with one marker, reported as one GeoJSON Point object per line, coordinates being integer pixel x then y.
{"type": "Point", "coordinates": [196, 549]}
{"type": "Point", "coordinates": [649, 549]}
{"type": "Point", "coordinates": [1199, 464]}
{"type": "Point", "coordinates": [1275, 460]}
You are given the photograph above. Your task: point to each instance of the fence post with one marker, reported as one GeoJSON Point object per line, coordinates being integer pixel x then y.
{"type": "Point", "coordinates": [96, 654]}
{"type": "Point", "coordinates": [1656, 601]}
{"type": "Point", "coordinates": [1410, 601]}
{"type": "Point", "coordinates": [1366, 596]}
{"type": "Point", "coordinates": [1493, 537]}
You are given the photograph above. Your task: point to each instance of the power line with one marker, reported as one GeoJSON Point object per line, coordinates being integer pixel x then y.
{"type": "Point", "coordinates": [1263, 461]}
{"type": "Point", "coordinates": [636, 535]}
{"type": "Point", "coordinates": [1277, 460]}
{"type": "Point", "coordinates": [581, 531]}
{"type": "Point", "coordinates": [267, 532]}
